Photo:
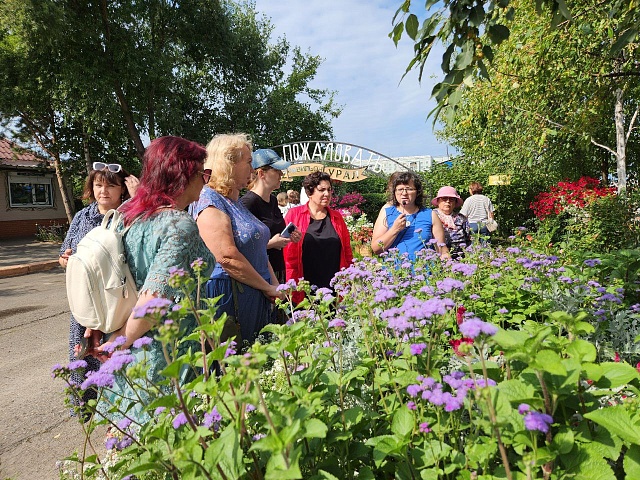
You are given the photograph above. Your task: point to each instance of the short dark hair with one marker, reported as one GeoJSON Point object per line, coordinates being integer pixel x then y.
{"type": "Point", "coordinates": [405, 178]}
{"type": "Point", "coordinates": [104, 176]}
{"type": "Point", "coordinates": [311, 181]}
{"type": "Point", "coordinates": [475, 187]}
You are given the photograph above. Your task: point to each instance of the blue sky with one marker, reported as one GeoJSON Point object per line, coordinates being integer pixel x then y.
{"type": "Point", "coordinates": [364, 66]}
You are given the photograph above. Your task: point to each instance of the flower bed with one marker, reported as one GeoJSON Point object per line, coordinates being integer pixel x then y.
{"type": "Point", "coordinates": [500, 366]}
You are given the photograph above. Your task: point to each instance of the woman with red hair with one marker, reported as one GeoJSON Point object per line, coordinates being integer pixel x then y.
{"type": "Point", "coordinates": [162, 238]}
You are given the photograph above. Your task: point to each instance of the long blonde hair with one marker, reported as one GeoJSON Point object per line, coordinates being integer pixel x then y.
{"type": "Point", "coordinates": [223, 152]}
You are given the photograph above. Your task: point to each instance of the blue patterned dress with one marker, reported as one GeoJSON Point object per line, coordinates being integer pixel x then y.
{"type": "Point", "coordinates": [251, 236]}
{"type": "Point", "coordinates": [83, 222]}
{"type": "Point", "coordinates": [169, 238]}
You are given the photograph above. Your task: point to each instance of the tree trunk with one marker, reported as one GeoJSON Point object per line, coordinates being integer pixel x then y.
{"type": "Point", "coordinates": [87, 154]}
{"type": "Point", "coordinates": [621, 142]}
{"type": "Point", "coordinates": [63, 190]}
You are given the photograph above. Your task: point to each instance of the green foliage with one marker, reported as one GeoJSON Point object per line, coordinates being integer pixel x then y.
{"type": "Point", "coordinates": [379, 388]}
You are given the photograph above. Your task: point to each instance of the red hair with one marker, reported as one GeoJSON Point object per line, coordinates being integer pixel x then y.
{"type": "Point", "coordinates": [168, 165]}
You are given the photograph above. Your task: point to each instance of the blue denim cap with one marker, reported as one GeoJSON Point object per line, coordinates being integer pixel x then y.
{"type": "Point", "coordinates": [266, 157]}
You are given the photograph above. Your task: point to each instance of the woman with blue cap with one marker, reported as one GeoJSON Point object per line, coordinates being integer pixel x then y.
{"type": "Point", "coordinates": [259, 200]}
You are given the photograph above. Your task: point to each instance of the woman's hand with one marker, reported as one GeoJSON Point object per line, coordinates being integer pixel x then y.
{"type": "Point", "coordinates": [64, 258]}
{"type": "Point", "coordinates": [278, 242]}
{"type": "Point", "coordinates": [399, 224]}
{"type": "Point", "coordinates": [272, 293]}
{"type": "Point", "coordinates": [132, 184]}
{"type": "Point", "coordinates": [296, 236]}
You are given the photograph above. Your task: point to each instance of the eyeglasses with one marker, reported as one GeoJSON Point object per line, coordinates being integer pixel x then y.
{"type": "Point", "coordinates": [405, 190]}
{"type": "Point", "coordinates": [112, 167]}
{"type": "Point", "coordinates": [206, 175]}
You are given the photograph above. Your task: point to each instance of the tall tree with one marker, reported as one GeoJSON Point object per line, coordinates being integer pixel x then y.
{"type": "Point", "coordinates": [104, 75]}
{"type": "Point", "coordinates": [562, 99]}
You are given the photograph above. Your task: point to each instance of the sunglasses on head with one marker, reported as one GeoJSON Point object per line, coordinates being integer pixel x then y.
{"type": "Point", "coordinates": [112, 167]}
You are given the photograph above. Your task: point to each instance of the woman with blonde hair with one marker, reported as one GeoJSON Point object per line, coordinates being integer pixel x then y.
{"type": "Point", "coordinates": [238, 240]}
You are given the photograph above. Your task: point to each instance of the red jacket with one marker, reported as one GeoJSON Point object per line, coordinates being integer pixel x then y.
{"type": "Point", "coordinates": [301, 217]}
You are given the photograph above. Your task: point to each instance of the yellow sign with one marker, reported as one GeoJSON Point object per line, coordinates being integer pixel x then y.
{"type": "Point", "coordinates": [499, 179]}
{"type": "Point", "coordinates": [336, 173]}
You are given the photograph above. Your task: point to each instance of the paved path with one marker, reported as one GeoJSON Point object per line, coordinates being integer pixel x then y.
{"type": "Point", "coordinates": [35, 428]}
{"type": "Point", "coordinates": [22, 256]}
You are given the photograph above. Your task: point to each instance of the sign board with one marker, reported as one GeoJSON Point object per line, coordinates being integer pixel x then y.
{"type": "Point", "coordinates": [356, 162]}
{"type": "Point", "coordinates": [499, 179]}
{"type": "Point", "coordinates": [336, 173]}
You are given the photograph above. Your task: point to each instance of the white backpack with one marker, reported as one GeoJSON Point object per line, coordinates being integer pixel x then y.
{"type": "Point", "coordinates": [100, 288]}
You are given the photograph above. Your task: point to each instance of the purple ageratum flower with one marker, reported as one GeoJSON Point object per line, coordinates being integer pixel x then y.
{"type": "Point", "coordinates": [98, 379]}
{"type": "Point", "coordinates": [175, 273]}
{"type": "Point", "coordinates": [609, 297]}
{"type": "Point", "coordinates": [112, 346]}
{"type": "Point", "coordinates": [118, 361]}
{"type": "Point", "coordinates": [418, 231]}
{"type": "Point", "coordinates": [513, 250]}
{"type": "Point", "coordinates": [197, 263]}
{"type": "Point", "coordinates": [212, 419]}
{"type": "Point", "coordinates": [384, 294]}
{"type": "Point", "coordinates": [523, 408]}
{"type": "Point", "coordinates": [155, 306]}
{"type": "Point", "coordinates": [417, 348]}
{"type": "Point", "coordinates": [124, 423]}
{"type": "Point", "coordinates": [414, 390]}
{"type": "Point", "coordinates": [258, 436]}
{"type": "Point", "coordinates": [424, 427]}
{"type": "Point", "coordinates": [124, 443]}
{"type": "Point", "coordinates": [250, 407]}
{"type": "Point", "coordinates": [592, 262]}
{"type": "Point", "coordinates": [536, 421]}
{"type": "Point", "coordinates": [142, 341]}
{"type": "Point", "coordinates": [486, 383]}
{"type": "Point", "coordinates": [110, 443]}
{"type": "Point", "coordinates": [473, 327]}
{"type": "Point", "coordinates": [412, 405]}
{"type": "Point", "coordinates": [231, 349]}
{"type": "Point", "coordinates": [337, 323]}
{"type": "Point", "coordinates": [76, 364]}
{"type": "Point", "coordinates": [495, 276]}
{"type": "Point", "coordinates": [179, 420]}
{"type": "Point", "coordinates": [449, 284]}
{"type": "Point", "coordinates": [159, 410]}
{"type": "Point", "coordinates": [503, 311]}
{"type": "Point", "coordinates": [57, 368]}
{"type": "Point", "coordinates": [467, 269]}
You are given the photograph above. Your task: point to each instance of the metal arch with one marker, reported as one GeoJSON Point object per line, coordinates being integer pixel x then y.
{"type": "Point", "coordinates": [403, 167]}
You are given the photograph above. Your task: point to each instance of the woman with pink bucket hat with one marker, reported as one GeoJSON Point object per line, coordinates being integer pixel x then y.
{"type": "Point", "coordinates": [456, 227]}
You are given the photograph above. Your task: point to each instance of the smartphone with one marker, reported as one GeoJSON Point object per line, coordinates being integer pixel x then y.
{"type": "Point", "coordinates": [288, 230]}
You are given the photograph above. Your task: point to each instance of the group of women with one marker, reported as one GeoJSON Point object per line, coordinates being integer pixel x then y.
{"type": "Point", "coordinates": [187, 205]}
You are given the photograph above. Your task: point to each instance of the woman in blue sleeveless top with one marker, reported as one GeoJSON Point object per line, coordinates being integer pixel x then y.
{"type": "Point", "coordinates": [404, 223]}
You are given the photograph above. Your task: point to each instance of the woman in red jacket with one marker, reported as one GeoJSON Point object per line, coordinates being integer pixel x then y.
{"type": "Point", "coordinates": [326, 245]}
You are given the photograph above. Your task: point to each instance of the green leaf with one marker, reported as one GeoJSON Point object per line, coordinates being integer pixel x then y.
{"type": "Point", "coordinates": [582, 463]}
{"type": "Point", "coordinates": [582, 350]}
{"type": "Point", "coordinates": [563, 441]}
{"type": "Point", "coordinates": [476, 16]}
{"type": "Point", "coordinates": [403, 422]}
{"type": "Point", "coordinates": [498, 33]}
{"type": "Point", "coordinates": [564, 10]}
{"type": "Point", "coordinates": [624, 39]}
{"type": "Point", "coordinates": [616, 419]}
{"type": "Point", "coordinates": [411, 26]}
{"type": "Point", "coordinates": [226, 453]}
{"type": "Point", "coordinates": [397, 32]}
{"type": "Point", "coordinates": [465, 57]}
{"type": "Point", "coordinates": [549, 361]}
{"type": "Point", "coordinates": [631, 462]}
{"type": "Point", "coordinates": [314, 428]}
{"type": "Point", "coordinates": [616, 374]}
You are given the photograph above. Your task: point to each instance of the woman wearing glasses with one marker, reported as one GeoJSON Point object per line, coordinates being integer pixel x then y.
{"type": "Point", "coordinates": [242, 275]}
{"type": "Point", "coordinates": [456, 226]}
{"type": "Point", "coordinates": [404, 223]}
{"type": "Point", "coordinates": [326, 245]}
{"type": "Point", "coordinates": [106, 187]}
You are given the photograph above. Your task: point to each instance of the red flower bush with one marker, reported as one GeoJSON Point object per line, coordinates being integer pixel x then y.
{"type": "Point", "coordinates": [349, 202]}
{"type": "Point", "coordinates": [579, 194]}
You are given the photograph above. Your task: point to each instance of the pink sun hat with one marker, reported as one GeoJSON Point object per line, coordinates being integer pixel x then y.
{"type": "Point", "coordinates": [447, 192]}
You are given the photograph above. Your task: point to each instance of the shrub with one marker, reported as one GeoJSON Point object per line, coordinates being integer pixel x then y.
{"type": "Point", "coordinates": [474, 369]}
